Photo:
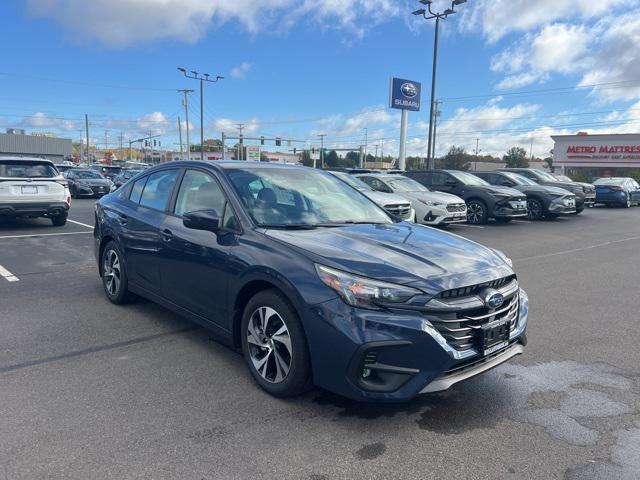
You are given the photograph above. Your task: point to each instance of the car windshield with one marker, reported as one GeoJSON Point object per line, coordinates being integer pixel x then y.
{"type": "Point", "coordinates": [301, 197]}
{"type": "Point", "coordinates": [518, 179]}
{"type": "Point", "coordinates": [86, 174]}
{"type": "Point", "coordinates": [23, 169]}
{"type": "Point", "coordinates": [563, 178]}
{"type": "Point", "coordinates": [403, 184]}
{"type": "Point", "coordinates": [546, 176]}
{"type": "Point", "coordinates": [469, 178]}
{"type": "Point", "coordinates": [609, 181]}
{"type": "Point", "coordinates": [353, 181]}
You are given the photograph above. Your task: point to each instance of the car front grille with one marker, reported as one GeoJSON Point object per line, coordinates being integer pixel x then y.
{"type": "Point", "coordinates": [460, 314]}
{"type": "Point", "coordinates": [401, 210]}
{"type": "Point", "coordinates": [456, 207]}
{"type": "Point", "coordinates": [99, 190]}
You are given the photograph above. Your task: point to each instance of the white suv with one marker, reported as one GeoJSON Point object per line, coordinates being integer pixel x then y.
{"type": "Point", "coordinates": [33, 187]}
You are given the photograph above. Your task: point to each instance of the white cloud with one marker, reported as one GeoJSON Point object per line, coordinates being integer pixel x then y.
{"type": "Point", "coordinates": [340, 126]}
{"type": "Point", "coordinates": [43, 121]}
{"type": "Point", "coordinates": [155, 123]}
{"type": "Point", "coordinates": [230, 126]}
{"type": "Point", "coordinates": [496, 18]}
{"type": "Point", "coordinates": [240, 71]}
{"type": "Point", "coordinates": [126, 22]}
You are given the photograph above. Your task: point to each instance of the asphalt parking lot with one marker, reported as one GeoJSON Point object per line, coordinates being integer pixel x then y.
{"type": "Point", "coordinates": [91, 390]}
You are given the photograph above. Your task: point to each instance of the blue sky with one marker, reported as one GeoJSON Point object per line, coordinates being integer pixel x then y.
{"type": "Point", "coordinates": [296, 68]}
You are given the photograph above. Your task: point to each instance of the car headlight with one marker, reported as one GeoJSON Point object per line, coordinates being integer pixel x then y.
{"type": "Point", "coordinates": [577, 189]}
{"type": "Point", "coordinates": [502, 255]}
{"type": "Point", "coordinates": [364, 292]}
{"type": "Point", "coordinates": [430, 203]}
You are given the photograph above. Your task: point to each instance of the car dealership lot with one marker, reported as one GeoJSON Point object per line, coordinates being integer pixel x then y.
{"type": "Point", "coordinates": [91, 390]}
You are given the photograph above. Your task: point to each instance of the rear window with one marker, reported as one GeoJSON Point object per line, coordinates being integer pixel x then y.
{"type": "Point", "coordinates": [9, 169]}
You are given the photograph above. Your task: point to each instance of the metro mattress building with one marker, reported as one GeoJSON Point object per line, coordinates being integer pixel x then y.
{"type": "Point", "coordinates": [594, 156]}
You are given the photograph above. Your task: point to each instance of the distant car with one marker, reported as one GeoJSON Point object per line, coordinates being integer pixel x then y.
{"type": "Point", "coordinates": [124, 176]}
{"type": "Point", "coordinates": [107, 171]}
{"type": "Point", "coordinates": [432, 208]}
{"type": "Point", "coordinates": [622, 191]}
{"type": "Point", "coordinates": [33, 187]}
{"type": "Point", "coordinates": [484, 201]}
{"type": "Point", "coordinates": [542, 201]}
{"type": "Point", "coordinates": [396, 205]}
{"type": "Point", "coordinates": [86, 182]}
{"type": "Point", "coordinates": [585, 192]}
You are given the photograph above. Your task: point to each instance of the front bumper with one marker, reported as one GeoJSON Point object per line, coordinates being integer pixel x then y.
{"type": "Point", "coordinates": [510, 209]}
{"type": "Point", "coordinates": [33, 209]}
{"type": "Point", "coordinates": [440, 215]}
{"type": "Point", "coordinates": [394, 355]}
{"type": "Point", "coordinates": [91, 191]}
{"type": "Point", "coordinates": [562, 206]}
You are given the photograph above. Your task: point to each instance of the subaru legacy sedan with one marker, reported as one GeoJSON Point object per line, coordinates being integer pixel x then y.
{"type": "Point", "coordinates": [312, 281]}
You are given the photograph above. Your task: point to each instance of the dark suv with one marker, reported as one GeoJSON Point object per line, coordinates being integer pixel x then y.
{"type": "Point", "coordinates": [585, 193]}
{"type": "Point", "coordinates": [542, 200]}
{"type": "Point", "coordinates": [311, 280]}
{"type": "Point", "coordinates": [484, 201]}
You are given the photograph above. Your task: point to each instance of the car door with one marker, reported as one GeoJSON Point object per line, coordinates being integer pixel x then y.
{"type": "Point", "coordinates": [140, 220]}
{"type": "Point", "coordinates": [443, 182]}
{"type": "Point", "coordinates": [634, 190]}
{"type": "Point", "coordinates": [195, 263]}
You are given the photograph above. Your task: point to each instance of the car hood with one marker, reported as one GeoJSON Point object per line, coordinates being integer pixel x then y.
{"type": "Point", "coordinates": [400, 253]}
{"type": "Point", "coordinates": [94, 182]}
{"type": "Point", "coordinates": [494, 189]}
{"type": "Point", "coordinates": [382, 198]}
{"type": "Point", "coordinates": [439, 197]}
{"type": "Point", "coordinates": [545, 189]}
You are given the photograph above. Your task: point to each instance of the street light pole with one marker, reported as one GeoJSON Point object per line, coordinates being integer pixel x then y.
{"type": "Point", "coordinates": [429, 14]}
{"type": "Point", "coordinates": [203, 78]}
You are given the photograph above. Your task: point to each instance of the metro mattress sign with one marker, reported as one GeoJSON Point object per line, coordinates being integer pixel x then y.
{"type": "Point", "coordinates": [604, 149]}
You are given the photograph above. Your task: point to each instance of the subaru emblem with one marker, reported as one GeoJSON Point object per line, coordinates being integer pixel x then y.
{"type": "Point", "coordinates": [409, 90]}
{"type": "Point", "coordinates": [492, 298]}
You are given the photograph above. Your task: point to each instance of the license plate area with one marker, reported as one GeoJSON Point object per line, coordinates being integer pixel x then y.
{"type": "Point", "coordinates": [495, 336]}
{"type": "Point", "coordinates": [29, 190]}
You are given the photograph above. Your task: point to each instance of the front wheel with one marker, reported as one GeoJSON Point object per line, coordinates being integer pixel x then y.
{"type": "Point", "coordinates": [275, 346]}
{"type": "Point", "coordinates": [535, 210]}
{"type": "Point", "coordinates": [477, 212]}
{"type": "Point", "coordinates": [579, 210]}
{"type": "Point", "coordinates": [59, 220]}
{"type": "Point", "coordinates": [627, 204]}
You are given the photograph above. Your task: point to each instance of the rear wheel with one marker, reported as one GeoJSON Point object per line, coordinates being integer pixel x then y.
{"type": "Point", "coordinates": [627, 204]}
{"type": "Point", "coordinates": [477, 212]}
{"type": "Point", "coordinates": [275, 346]}
{"type": "Point", "coordinates": [114, 276]}
{"type": "Point", "coordinates": [535, 209]}
{"type": "Point", "coordinates": [59, 220]}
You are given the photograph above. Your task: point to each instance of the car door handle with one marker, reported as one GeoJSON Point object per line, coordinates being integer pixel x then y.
{"type": "Point", "coordinates": [167, 235]}
{"type": "Point", "coordinates": [122, 219]}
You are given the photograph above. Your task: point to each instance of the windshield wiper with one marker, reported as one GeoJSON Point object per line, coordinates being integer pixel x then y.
{"type": "Point", "coordinates": [288, 226]}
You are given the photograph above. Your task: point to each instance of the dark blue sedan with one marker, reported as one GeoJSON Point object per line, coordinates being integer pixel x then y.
{"type": "Point", "coordinates": [310, 279]}
{"type": "Point", "coordinates": [620, 191]}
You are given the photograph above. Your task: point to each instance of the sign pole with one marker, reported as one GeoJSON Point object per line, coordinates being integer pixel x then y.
{"type": "Point", "coordinates": [402, 160]}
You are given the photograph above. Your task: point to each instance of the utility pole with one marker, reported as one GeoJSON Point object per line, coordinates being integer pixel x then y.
{"type": "Point", "coordinates": [106, 142]}
{"type": "Point", "coordinates": [86, 128]}
{"type": "Point", "coordinates": [531, 150]}
{"type": "Point", "coordinates": [120, 139]}
{"type": "Point", "coordinates": [436, 114]}
{"type": "Point", "coordinates": [375, 159]}
{"type": "Point", "coordinates": [151, 145]}
{"type": "Point", "coordinates": [382, 148]}
{"type": "Point", "coordinates": [180, 136]}
{"type": "Point", "coordinates": [203, 78]}
{"type": "Point", "coordinates": [185, 102]}
{"type": "Point", "coordinates": [240, 142]}
{"type": "Point", "coordinates": [477, 152]}
{"type": "Point", "coordinates": [322, 135]}
{"type": "Point", "coordinates": [366, 138]}
{"type": "Point", "coordinates": [429, 16]}
{"type": "Point", "coordinates": [81, 143]}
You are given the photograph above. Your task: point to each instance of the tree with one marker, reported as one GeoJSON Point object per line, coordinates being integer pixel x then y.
{"type": "Point", "coordinates": [549, 163]}
{"type": "Point", "coordinates": [412, 163]}
{"type": "Point", "coordinates": [331, 159]}
{"type": "Point", "coordinates": [456, 159]}
{"type": "Point", "coordinates": [352, 159]}
{"type": "Point", "coordinates": [306, 158]}
{"type": "Point", "coordinates": [516, 157]}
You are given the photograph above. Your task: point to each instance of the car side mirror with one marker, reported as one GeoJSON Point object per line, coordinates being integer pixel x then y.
{"type": "Point", "coordinates": [202, 220]}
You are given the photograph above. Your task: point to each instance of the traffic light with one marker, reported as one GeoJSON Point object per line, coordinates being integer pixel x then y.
{"type": "Point", "coordinates": [146, 143]}
{"type": "Point", "coordinates": [278, 142]}
{"type": "Point", "coordinates": [262, 140]}
{"type": "Point", "coordinates": [241, 139]}
{"type": "Point", "coordinates": [294, 150]}
{"type": "Point", "coordinates": [155, 143]}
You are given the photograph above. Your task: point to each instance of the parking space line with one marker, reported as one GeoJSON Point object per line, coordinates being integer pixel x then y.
{"type": "Point", "coordinates": [10, 277]}
{"type": "Point", "coordinates": [575, 250]}
{"type": "Point", "coordinates": [80, 223]}
{"type": "Point", "coordinates": [34, 235]}
{"type": "Point", "coordinates": [468, 226]}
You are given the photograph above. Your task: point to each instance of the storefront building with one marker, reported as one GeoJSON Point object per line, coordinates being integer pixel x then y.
{"type": "Point", "coordinates": [587, 157]}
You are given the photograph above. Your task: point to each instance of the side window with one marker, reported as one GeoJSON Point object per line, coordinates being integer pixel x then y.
{"type": "Point", "coordinates": [377, 184]}
{"type": "Point", "coordinates": [199, 191]}
{"type": "Point", "coordinates": [158, 189]}
{"type": "Point", "coordinates": [136, 190]}
{"type": "Point", "coordinates": [439, 179]}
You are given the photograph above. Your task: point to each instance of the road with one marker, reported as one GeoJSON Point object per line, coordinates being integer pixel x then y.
{"type": "Point", "coordinates": [90, 390]}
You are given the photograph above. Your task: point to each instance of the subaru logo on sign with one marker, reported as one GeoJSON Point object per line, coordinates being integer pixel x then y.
{"type": "Point", "coordinates": [492, 298]}
{"type": "Point", "coordinates": [409, 90]}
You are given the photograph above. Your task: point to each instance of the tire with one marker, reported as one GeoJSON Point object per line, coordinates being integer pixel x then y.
{"type": "Point", "coordinates": [114, 279]}
{"type": "Point", "coordinates": [535, 209]}
{"type": "Point", "coordinates": [59, 220]}
{"type": "Point", "coordinates": [627, 204]}
{"type": "Point", "coordinates": [477, 213]}
{"type": "Point", "coordinates": [579, 210]}
{"type": "Point", "coordinates": [73, 192]}
{"type": "Point", "coordinates": [503, 220]}
{"type": "Point", "coordinates": [280, 367]}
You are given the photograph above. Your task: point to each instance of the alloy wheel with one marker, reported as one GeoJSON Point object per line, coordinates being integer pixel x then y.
{"type": "Point", "coordinates": [475, 213]}
{"type": "Point", "coordinates": [111, 272]}
{"type": "Point", "coordinates": [269, 344]}
{"type": "Point", "coordinates": [534, 208]}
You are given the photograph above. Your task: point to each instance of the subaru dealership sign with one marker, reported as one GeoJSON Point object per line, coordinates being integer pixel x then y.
{"type": "Point", "coordinates": [405, 94]}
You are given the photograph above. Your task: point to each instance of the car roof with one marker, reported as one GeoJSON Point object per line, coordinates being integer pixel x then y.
{"type": "Point", "coordinates": [26, 159]}
{"type": "Point", "coordinates": [384, 176]}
